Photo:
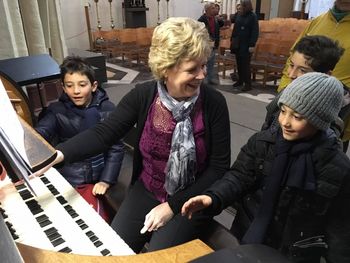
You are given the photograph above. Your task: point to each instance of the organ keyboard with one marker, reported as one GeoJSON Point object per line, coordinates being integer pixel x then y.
{"type": "Point", "coordinates": [58, 219]}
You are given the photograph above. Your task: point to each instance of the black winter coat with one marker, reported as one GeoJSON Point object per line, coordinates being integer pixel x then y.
{"type": "Point", "coordinates": [306, 225]}
{"type": "Point", "coordinates": [245, 33]}
{"type": "Point", "coordinates": [60, 122]}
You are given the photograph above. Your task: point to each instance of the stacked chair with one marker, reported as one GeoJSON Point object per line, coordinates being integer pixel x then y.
{"type": "Point", "coordinates": [131, 44]}
{"type": "Point", "coordinates": [276, 38]}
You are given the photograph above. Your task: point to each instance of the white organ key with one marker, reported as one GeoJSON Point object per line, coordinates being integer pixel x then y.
{"type": "Point", "coordinates": [102, 230]}
{"type": "Point", "coordinates": [76, 238]}
{"type": "Point", "coordinates": [19, 215]}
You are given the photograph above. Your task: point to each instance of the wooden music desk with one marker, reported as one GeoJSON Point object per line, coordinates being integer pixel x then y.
{"type": "Point", "coordinates": [177, 254]}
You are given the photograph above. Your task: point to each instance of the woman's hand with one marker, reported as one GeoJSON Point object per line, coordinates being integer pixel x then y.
{"type": "Point", "coordinates": [157, 217]}
{"type": "Point", "coordinates": [100, 188]}
{"type": "Point", "coordinates": [195, 204]}
{"type": "Point", "coordinates": [59, 158]}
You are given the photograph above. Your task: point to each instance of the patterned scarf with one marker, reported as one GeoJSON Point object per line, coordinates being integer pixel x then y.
{"type": "Point", "coordinates": [181, 166]}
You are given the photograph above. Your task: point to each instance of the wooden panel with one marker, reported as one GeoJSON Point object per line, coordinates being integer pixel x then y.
{"type": "Point", "coordinates": [177, 254]}
{"type": "Point", "coordinates": [21, 106]}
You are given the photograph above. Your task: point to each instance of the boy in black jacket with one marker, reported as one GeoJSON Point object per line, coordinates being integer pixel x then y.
{"type": "Point", "coordinates": [291, 184]}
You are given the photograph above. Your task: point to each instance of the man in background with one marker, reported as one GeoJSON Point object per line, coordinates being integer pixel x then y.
{"type": "Point", "coordinates": [213, 24]}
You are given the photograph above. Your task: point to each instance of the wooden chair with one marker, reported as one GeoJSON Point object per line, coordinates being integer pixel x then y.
{"type": "Point", "coordinates": [128, 44]}
{"type": "Point", "coordinates": [225, 60]}
{"type": "Point", "coordinates": [106, 42]}
{"type": "Point", "coordinates": [143, 42]}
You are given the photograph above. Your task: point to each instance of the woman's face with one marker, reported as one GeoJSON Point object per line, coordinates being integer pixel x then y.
{"type": "Point", "coordinates": [183, 80]}
{"type": "Point", "coordinates": [294, 126]}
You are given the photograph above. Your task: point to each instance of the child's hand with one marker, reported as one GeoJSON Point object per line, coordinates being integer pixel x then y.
{"type": "Point", "coordinates": [2, 172]}
{"type": "Point", "coordinates": [100, 188]}
{"type": "Point", "coordinates": [195, 204]}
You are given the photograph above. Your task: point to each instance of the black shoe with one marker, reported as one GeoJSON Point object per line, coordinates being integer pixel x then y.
{"type": "Point", "coordinates": [245, 88]}
{"type": "Point", "coordinates": [233, 76]}
{"type": "Point", "coordinates": [237, 84]}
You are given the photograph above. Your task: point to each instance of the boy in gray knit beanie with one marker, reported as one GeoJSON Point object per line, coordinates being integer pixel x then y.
{"type": "Point", "coordinates": [316, 96]}
{"type": "Point", "coordinates": [291, 186]}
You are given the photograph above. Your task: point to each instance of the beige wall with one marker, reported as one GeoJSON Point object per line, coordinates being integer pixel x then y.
{"type": "Point", "coordinates": [285, 9]}
{"type": "Point", "coordinates": [265, 7]}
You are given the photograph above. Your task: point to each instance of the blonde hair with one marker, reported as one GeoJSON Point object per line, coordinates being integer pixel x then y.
{"type": "Point", "coordinates": [175, 40]}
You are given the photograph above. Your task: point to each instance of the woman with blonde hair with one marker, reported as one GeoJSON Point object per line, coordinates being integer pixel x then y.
{"type": "Point", "coordinates": [182, 143]}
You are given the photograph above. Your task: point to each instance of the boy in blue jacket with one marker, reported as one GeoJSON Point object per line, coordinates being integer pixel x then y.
{"type": "Point", "coordinates": [81, 105]}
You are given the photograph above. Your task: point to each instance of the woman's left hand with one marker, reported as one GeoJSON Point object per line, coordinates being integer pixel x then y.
{"type": "Point", "coordinates": [157, 217]}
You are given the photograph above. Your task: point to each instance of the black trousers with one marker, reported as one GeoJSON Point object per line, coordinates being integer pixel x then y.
{"type": "Point", "coordinates": [131, 215]}
{"type": "Point", "coordinates": [243, 69]}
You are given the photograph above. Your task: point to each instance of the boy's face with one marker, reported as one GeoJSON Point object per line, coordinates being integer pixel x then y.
{"type": "Point", "coordinates": [79, 88]}
{"type": "Point", "coordinates": [294, 126]}
{"type": "Point", "coordinates": [298, 66]}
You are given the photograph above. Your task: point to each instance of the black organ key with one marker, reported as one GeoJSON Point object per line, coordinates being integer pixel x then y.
{"type": "Point", "coordinates": [65, 250]}
{"type": "Point", "coordinates": [34, 206]}
{"type": "Point", "coordinates": [89, 233]}
{"type": "Point", "coordinates": [83, 226]}
{"type": "Point", "coordinates": [71, 211]}
{"type": "Point", "coordinates": [45, 223]}
{"type": "Point", "coordinates": [54, 236]}
{"type": "Point", "coordinates": [80, 222]}
{"type": "Point", "coordinates": [25, 194]}
{"type": "Point", "coordinates": [93, 238]}
{"type": "Point", "coordinates": [53, 189]}
{"type": "Point", "coordinates": [57, 242]}
{"type": "Point", "coordinates": [105, 252]}
{"type": "Point", "coordinates": [61, 200]}
{"type": "Point", "coordinates": [41, 218]}
{"type": "Point", "coordinates": [98, 243]}
{"type": "Point", "coordinates": [50, 231]}
{"type": "Point", "coordinates": [20, 187]}
{"type": "Point", "coordinates": [2, 211]}
{"type": "Point", "coordinates": [44, 180]}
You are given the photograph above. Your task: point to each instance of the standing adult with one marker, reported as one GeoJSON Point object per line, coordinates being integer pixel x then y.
{"type": "Point", "coordinates": [213, 24]}
{"type": "Point", "coordinates": [182, 142]}
{"type": "Point", "coordinates": [334, 24]}
{"type": "Point", "coordinates": [244, 36]}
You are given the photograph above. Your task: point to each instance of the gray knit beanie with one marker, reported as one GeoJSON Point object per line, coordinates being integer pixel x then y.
{"type": "Point", "coordinates": [316, 96]}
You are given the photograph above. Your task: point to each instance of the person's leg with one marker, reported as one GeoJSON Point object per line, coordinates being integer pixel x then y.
{"type": "Point", "coordinates": [210, 68]}
{"type": "Point", "coordinates": [345, 146]}
{"type": "Point", "coordinates": [178, 231]}
{"type": "Point", "coordinates": [246, 73]}
{"type": "Point", "coordinates": [239, 71]}
{"type": "Point", "coordinates": [131, 215]}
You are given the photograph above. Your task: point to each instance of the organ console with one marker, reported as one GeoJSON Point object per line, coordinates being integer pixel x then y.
{"type": "Point", "coordinates": [59, 226]}
{"type": "Point", "coordinates": [58, 219]}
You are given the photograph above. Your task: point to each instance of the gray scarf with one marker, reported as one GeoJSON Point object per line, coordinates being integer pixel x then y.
{"type": "Point", "coordinates": [181, 166]}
